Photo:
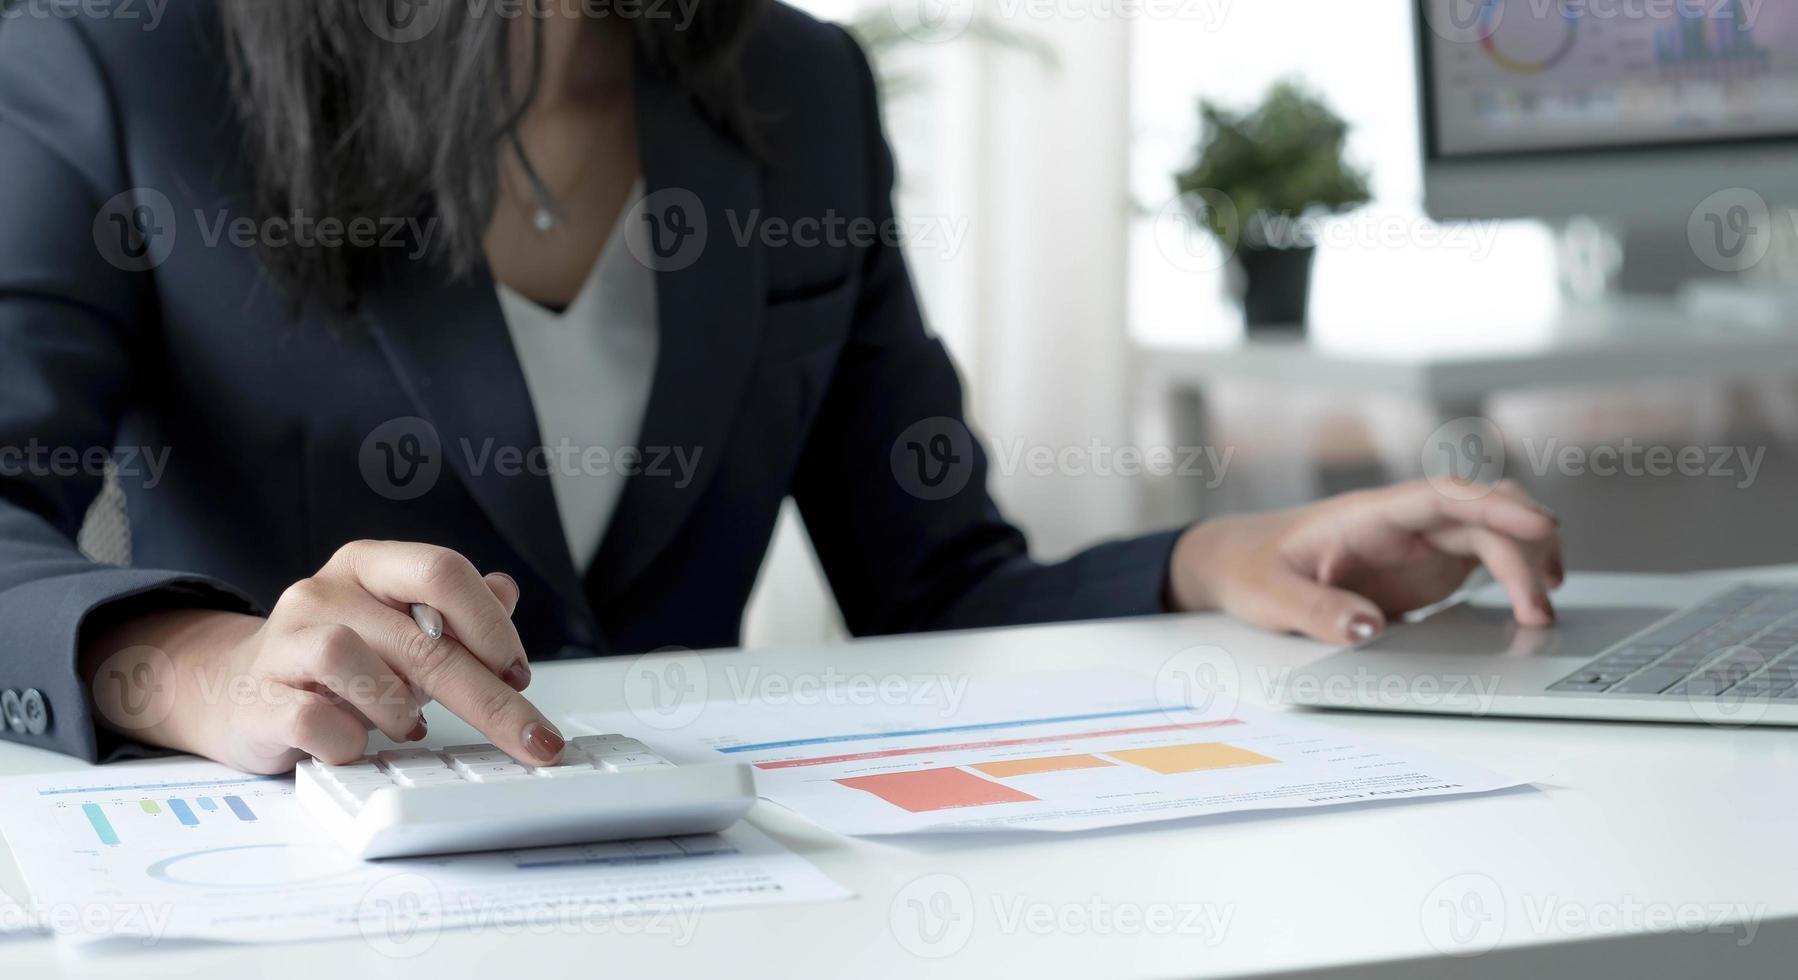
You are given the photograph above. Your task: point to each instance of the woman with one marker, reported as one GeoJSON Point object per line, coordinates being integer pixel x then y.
{"type": "Point", "coordinates": [383, 285]}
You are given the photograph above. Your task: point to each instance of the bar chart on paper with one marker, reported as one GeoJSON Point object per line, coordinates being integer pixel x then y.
{"type": "Point", "coordinates": [1057, 752]}
{"type": "Point", "coordinates": [203, 833]}
{"type": "Point", "coordinates": [184, 811]}
{"type": "Point", "coordinates": [227, 856]}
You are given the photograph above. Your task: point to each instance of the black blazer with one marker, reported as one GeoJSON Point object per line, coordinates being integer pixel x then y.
{"type": "Point", "coordinates": [785, 370]}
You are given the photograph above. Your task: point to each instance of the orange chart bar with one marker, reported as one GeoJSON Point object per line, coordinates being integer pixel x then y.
{"type": "Point", "coordinates": [1171, 759]}
{"type": "Point", "coordinates": [935, 789]}
{"type": "Point", "coordinates": [1029, 767]}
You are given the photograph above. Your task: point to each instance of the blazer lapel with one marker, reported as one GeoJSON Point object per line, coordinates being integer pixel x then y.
{"type": "Point", "coordinates": [447, 341]}
{"type": "Point", "coordinates": [710, 304]}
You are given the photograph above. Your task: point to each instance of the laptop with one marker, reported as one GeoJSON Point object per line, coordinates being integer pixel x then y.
{"type": "Point", "coordinates": [1664, 648]}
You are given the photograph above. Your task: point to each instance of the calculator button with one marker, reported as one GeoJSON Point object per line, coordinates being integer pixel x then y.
{"type": "Point", "coordinates": [559, 772]}
{"type": "Point", "coordinates": [630, 747]}
{"type": "Point", "coordinates": [494, 758]}
{"type": "Point", "coordinates": [569, 761]}
{"type": "Point", "coordinates": [619, 763]}
{"type": "Point", "coordinates": [364, 766]}
{"type": "Point", "coordinates": [411, 759]}
{"type": "Point", "coordinates": [496, 773]}
{"type": "Point", "coordinates": [362, 779]}
{"type": "Point", "coordinates": [425, 777]}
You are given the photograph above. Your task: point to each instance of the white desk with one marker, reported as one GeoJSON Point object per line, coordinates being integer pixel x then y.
{"type": "Point", "coordinates": [1652, 818]}
{"type": "Point", "coordinates": [1456, 369]}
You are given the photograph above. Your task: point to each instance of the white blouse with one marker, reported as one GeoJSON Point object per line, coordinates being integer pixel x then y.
{"type": "Point", "coordinates": [589, 370]}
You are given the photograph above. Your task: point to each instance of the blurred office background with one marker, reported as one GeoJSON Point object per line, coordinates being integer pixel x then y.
{"type": "Point", "coordinates": [1038, 142]}
{"type": "Point", "coordinates": [1037, 145]}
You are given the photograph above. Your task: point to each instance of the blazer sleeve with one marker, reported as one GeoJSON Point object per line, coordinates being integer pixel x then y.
{"type": "Point", "coordinates": [892, 484]}
{"type": "Point", "coordinates": [72, 325]}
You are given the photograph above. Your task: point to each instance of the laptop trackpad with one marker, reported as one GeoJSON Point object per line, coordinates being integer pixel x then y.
{"type": "Point", "coordinates": [1460, 658]}
{"type": "Point", "coordinates": [1483, 630]}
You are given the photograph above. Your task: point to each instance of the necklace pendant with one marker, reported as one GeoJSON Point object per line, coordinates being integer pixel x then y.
{"type": "Point", "coordinates": [546, 220]}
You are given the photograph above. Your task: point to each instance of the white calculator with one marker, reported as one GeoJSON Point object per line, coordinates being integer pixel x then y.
{"type": "Point", "coordinates": [406, 802]}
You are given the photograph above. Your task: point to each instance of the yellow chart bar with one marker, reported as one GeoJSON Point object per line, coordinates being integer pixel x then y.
{"type": "Point", "coordinates": [1171, 759]}
{"type": "Point", "coordinates": [1027, 767]}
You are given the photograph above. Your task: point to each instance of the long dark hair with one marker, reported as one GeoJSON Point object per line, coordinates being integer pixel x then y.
{"type": "Point", "coordinates": [350, 118]}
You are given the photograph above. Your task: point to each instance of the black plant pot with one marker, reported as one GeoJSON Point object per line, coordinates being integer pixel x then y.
{"type": "Point", "coordinates": [1277, 287]}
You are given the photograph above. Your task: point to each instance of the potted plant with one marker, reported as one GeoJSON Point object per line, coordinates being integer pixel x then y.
{"type": "Point", "coordinates": [1260, 182]}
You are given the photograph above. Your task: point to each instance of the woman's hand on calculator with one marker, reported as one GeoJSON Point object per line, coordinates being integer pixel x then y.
{"type": "Point", "coordinates": [338, 655]}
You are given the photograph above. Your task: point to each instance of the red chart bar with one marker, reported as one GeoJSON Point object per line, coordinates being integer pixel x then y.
{"type": "Point", "coordinates": [923, 790]}
{"type": "Point", "coordinates": [1037, 740]}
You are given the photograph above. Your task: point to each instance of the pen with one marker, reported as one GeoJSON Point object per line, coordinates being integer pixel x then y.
{"type": "Point", "coordinates": [429, 620]}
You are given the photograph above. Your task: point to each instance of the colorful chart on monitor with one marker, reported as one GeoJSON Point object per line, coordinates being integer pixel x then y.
{"type": "Point", "coordinates": [1536, 58]}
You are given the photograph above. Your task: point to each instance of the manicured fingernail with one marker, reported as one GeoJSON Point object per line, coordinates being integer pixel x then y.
{"type": "Point", "coordinates": [1362, 628]}
{"type": "Point", "coordinates": [418, 731]}
{"type": "Point", "coordinates": [518, 675]}
{"type": "Point", "coordinates": [543, 742]}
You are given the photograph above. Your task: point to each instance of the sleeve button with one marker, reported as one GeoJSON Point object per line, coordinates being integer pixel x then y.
{"type": "Point", "coordinates": [36, 711]}
{"type": "Point", "coordinates": [13, 707]}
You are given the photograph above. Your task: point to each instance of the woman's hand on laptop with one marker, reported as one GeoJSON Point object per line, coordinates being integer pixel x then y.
{"type": "Point", "coordinates": [1336, 569]}
{"type": "Point", "coordinates": [338, 655]}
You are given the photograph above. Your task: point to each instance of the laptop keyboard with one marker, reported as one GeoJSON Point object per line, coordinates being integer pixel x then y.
{"type": "Point", "coordinates": [1743, 642]}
